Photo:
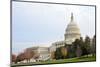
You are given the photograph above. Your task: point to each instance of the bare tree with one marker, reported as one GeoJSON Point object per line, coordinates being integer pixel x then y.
{"type": "Point", "coordinates": [36, 56]}
{"type": "Point", "coordinates": [29, 54]}
{"type": "Point", "coordinates": [13, 58]}
{"type": "Point", "coordinates": [20, 57]}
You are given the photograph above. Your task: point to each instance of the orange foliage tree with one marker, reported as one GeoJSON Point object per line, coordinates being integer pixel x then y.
{"type": "Point", "coordinates": [64, 52]}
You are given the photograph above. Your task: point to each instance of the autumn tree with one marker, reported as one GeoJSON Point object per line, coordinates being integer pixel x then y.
{"type": "Point", "coordinates": [64, 52]}
{"type": "Point", "coordinates": [53, 54]}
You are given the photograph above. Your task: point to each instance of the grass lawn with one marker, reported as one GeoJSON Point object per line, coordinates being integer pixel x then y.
{"type": "Point", "coordinates": [70, 60]}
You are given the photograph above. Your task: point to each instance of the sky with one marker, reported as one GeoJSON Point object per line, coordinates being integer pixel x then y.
{"type": "Point", "coordinates": [38, 24]}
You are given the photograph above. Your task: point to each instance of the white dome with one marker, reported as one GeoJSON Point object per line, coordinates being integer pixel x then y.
{"type": "Point", "coordinates": [72, 28]}
{"type": "Point", "coordinates": [72, 31]}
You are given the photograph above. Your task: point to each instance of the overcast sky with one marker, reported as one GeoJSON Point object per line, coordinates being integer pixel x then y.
{"type": "Point", "coordinates": [42, 24]}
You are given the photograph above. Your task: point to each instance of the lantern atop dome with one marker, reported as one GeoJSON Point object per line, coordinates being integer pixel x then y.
{"type": "Point", "coordinates": [72, 17]}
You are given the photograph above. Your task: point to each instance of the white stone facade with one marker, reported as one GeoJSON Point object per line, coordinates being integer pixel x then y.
{"type": "Point", "coordinates": [43, 52]}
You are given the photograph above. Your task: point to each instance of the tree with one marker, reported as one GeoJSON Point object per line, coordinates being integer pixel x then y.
{"type": "Point", "coordinates": [58, 54]}
{"type": "Point", "coordinates": [82, 46]}
{"type": "Point", "coordinates": [36, 56]}
{"type": "Point", "coordinates": [13, 58]}
{"type": "Point", "coordinates": [94, 45]}
{"type": "Point", "coordinates": [70, 51]}
{"type": "Point", "coordinates": [87, 45]}
{"type": "Point", "coordinates": [78, 51]}
{"type": "Point", "coordinates": [20, 57]}
{"type": "Point", "coordinates": [64, 52]}
{"type": "Point", "coordinates": [53, 54]}
{"type": "Point", "coordinates": [28, 54]}
{"type": "Point", "coordinates": [78, 47]}
{"type": "Point", "coordinates": [76, 44]}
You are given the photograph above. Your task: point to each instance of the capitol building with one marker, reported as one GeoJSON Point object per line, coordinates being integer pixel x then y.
{"type": "Point", "coordinates": [72, 32]}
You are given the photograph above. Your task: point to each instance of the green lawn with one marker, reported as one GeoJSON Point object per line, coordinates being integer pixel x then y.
{"type": "Point", "coordinates": [70, 60]}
